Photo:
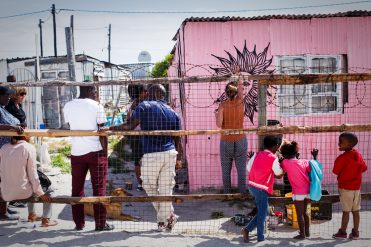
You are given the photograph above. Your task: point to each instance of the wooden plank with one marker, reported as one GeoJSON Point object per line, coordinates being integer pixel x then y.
{"type": "Point", "coordinates": [164, 80]}
{"type": "Point", "coordinates": [263, 130]}
{"type": "Point", "coordinates": [181, 198]}
{"type": "Point", "coordinates": [276, 79]}
{"type": "Point", "coordinates": [272, 79]}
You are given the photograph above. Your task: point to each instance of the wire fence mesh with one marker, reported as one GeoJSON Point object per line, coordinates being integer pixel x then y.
{"type": "Point", "coordinates": [212, 163]}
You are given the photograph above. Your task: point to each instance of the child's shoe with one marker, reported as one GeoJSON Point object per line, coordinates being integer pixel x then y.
{"type": "Point", "coordinates": [161, 226]}
{"type": "Point", "coordinates": [33, 217]}
{"type": "Point", "coordinates": [354, 235]}
{"type": "Point", "coordinates": [340, 235]}
{"type": "Point", "coordinates": [172, 221]}
{"type": "Point", "coordinates": [45, 222]}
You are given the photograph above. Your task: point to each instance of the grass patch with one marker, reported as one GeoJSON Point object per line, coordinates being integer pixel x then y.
{"type": "Point", "coordinates": [113, 141]}
{"type": "Point", "coordinates": [60, 161]}
{"type": "Point", "coordinates": [66, 150]}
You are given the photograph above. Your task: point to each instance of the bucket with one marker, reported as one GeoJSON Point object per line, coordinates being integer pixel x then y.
{"type": "Point", "coordinates": [291, 215]}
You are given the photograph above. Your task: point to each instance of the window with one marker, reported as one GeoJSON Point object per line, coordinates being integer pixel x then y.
{"type": "Point", "coordinates": [63, 75]}
{"type": "Point", "coordinates": [312, 98]}
{"type": "Point", "coordinates": [51, 75]}
{"type": "Point", "coordinates": [48, 75]}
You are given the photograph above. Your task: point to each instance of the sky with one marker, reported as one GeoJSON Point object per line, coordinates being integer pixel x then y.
{"type": "Point", "coordinates": [131, 32]}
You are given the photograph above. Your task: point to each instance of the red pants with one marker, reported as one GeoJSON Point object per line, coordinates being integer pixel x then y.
{"type": "Point", "coordinates": [96, 163]}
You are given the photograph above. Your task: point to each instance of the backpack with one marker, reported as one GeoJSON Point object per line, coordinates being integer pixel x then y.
{"type": "Point", "coordinates": [44, 181]}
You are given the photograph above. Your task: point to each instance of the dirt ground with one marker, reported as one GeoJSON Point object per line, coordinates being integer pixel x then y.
{"type": "Point", "coordinates": [195, 228]}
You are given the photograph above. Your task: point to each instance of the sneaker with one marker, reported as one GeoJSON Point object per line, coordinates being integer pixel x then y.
{"type": "Point", "coordinates": [299, 237]}
{"type": "Point", "coordinates": [106, 227]}
{"type": "Point", "coordinates": [10, 211]}
{"type": "Point", "coordinates": [340, 235]}
{"type": "Point", "coordinates": [79, 228]}
{"type": "Point", "coordinates": [45, 222]}
{"type": "Point", "coordinates": [161, 226]}
{"type": "Point", "coordinates": [172, 221]}
{"type": "Point", "coordinates": [354, 235]}
{"type": "Point", "coordinates": [17, 204]}
{"type": "Point", "coordinates": [245, 234]}
{"type": "Point", "coordinates": [33, 217]}
{"type": "Point", "coordinates": [140, 188]}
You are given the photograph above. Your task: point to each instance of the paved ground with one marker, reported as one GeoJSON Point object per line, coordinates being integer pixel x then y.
{"type": "Point", "coordinates": [196, 228]}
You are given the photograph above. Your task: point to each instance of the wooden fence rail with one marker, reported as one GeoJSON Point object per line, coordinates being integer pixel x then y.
{"type": "Point", "coordinates": [180, 198]}
{"type": "Point", "coordinates": [273, 79]}
{"type": "Point", "coordinates": [263, 130]}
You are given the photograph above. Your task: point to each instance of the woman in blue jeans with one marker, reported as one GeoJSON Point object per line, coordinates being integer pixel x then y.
{"type": "Point", "coordinates": [230, 115]}
{"type": "Point", "coordinates": [262, 168]}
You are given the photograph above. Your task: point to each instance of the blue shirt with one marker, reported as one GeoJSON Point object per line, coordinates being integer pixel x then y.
{"type": "Point", "coordinates": [156, 115]}
{"type": "Point", "coordinates": [6, 118]}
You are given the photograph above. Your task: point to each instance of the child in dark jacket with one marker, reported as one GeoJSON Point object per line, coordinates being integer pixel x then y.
{"type": "Point", "coordinates": [349, 167]}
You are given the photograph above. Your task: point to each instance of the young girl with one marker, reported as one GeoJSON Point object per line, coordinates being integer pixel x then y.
{"type": "Point", "coordinates": [19, 178]}
{"type": "Point", "coordinates": [262, 168]}
{"type": "Point", "coordinates": [298, 174]}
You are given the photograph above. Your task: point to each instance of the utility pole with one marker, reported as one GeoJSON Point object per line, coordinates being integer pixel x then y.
{"type": "Point", "coordinates": [54, 30]}
{"type": "Point", "coordinates": [109, 43]}
{"type": "Point", "coordinates": [70, 54]}
{"type": "Point", "coordinates": [41, 37]}
{"type": "Point", "coordinates": [73, 31]}
{"type": "Point", "coordinates": [67, 93]}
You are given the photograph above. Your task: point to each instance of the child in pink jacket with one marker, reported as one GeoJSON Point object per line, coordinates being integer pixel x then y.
{"type": "Point", "coordinates": [298, 173]}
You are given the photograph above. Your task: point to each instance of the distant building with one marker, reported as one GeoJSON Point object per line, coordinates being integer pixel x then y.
{"type": "Point", "coordinates": [43, 105]}
{"type": "Point", "coordinates": [141, 69]}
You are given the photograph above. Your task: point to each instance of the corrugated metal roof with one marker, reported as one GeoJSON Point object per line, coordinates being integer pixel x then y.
{"type": "Point", "coordinates": [58, 59]}
{"type": "Point", "coordinates": [355, 13]}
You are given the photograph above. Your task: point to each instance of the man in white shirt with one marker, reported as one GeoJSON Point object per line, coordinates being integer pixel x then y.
{"type": "Point", "coordinates": [88, 153]}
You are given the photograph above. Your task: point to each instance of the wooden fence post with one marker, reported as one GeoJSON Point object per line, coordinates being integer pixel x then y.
{"type": "Point", "coordinates": [262, 110]}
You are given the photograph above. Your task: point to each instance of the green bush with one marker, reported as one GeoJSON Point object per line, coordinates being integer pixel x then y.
{"type": "Point", "coordinates": [66, 150]}
{"type": "Point", "coordinates": [59, 160]}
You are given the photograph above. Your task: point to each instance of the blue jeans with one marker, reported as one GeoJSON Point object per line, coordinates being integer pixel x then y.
{"type": "Point", "coordinates": [261, 200]}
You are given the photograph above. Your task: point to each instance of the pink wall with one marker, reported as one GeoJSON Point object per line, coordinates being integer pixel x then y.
{"type": "Point", "coordinates": [333, 36]}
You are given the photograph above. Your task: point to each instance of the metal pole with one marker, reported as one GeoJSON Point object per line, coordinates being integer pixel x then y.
{"type": "Point", "coordinates": [54, 30]}
{"type": "Point", "coordinates": [41, 37]}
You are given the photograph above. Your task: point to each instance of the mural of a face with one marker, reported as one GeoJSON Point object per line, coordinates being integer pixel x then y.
{"type": "Point", "coordinates": [251, 63]}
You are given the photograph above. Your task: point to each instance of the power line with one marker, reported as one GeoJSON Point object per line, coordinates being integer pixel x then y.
{"type": "Point", "coordinates": [186, 12]}
{"type": "Point", "coordinates": [23, 14]}
{"type": "Point", "coordinates": [213, 11]}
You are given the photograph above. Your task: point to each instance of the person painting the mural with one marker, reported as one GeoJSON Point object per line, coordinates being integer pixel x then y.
{"type": "Point", "coordinates": [88, 153]}
{"type": "Point", "coordinates": [137, 93]}
{"type": "Point", "coordinates": [20, 180]}
{"type": "Point", "coordinates": [349, 167]}
{"type": "Point", "coordinates": [230, 115]}
{"type": "Point", "coordinates": [7, 122]}
{"type": "Point", "coordinates": [298, 174]}
{"type": "Point", "coordinates": [262, 168]}
{"type": "Point", "coordinates": [162, 154]}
